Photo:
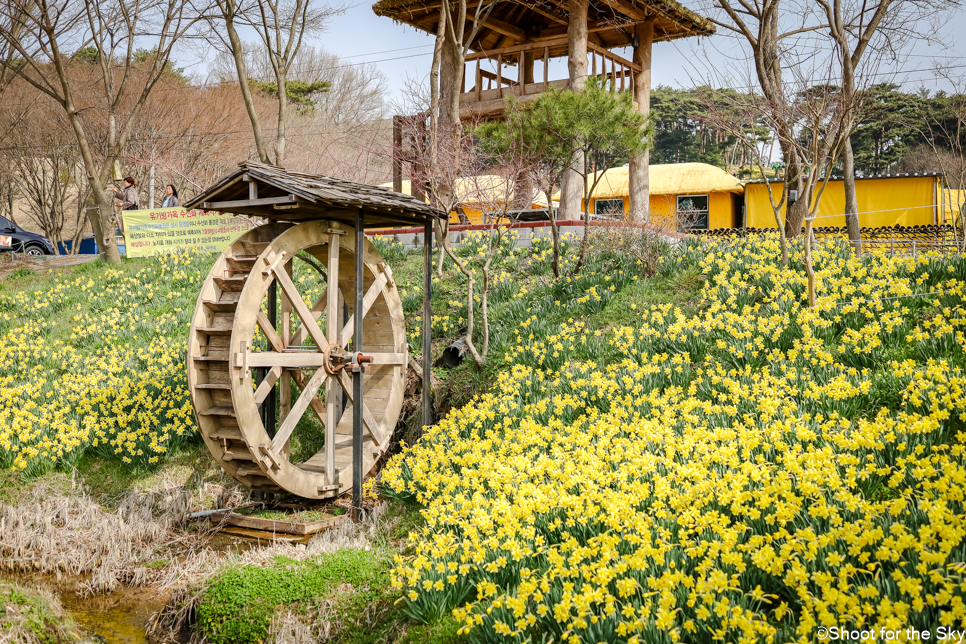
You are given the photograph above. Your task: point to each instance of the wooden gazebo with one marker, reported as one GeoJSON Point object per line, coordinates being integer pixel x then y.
{"type": "Point", "coordinates": [255, 337]}
{"type": "Point", "coordinates": [521, 32]}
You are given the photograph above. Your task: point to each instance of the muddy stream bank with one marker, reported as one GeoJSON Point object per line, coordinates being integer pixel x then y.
{"type": "Point", "coordinates": [121, 616]}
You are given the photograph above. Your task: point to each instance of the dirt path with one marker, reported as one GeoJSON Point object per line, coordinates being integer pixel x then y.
{"type": "Point", "coordinates": [44, 264]}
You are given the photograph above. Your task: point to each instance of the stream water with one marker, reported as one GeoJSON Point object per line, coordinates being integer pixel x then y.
{"type": "Point", "coordinates": [120, 617]}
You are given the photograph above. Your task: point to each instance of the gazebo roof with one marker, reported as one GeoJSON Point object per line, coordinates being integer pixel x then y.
{"type": "Point", "coordinates": [277, 194]}
{"type": "Point", "coordinates": [512, 23]}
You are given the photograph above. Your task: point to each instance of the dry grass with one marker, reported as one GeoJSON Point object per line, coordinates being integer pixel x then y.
{"type": "Point", "coordinates": [62, 530]}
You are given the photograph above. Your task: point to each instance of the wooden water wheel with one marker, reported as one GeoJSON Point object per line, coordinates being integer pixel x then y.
{"type": "Point", "coordinates": [244, 350]}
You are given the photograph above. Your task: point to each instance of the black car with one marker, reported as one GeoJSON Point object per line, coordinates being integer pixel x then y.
{"type": "Point", "coordinates": [23, 242]}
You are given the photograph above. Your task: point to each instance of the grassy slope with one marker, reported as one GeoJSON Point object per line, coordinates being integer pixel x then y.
{"type": "Point", "coordinates": [367, 612]}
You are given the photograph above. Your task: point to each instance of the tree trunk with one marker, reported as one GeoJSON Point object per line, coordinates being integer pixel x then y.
{"type": "Point", "coordinates": [851, 200]}
{"type": "Point", "coordinates": [794, 213]}
{"type": "Point", "coordinates": [638, 178]}
{"type": "Point", "coordinates": [238, 55]}
{"type": "Point", "coordinates": [571, 184]}
{"type": "Point", "coordinates": [554, 234]}
{"type": "Point", "coordinates": [282, 79]}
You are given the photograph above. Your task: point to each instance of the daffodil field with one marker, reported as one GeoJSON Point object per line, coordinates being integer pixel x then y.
{"type": "Point", "coordinates": [749, 472]}
{"type": "Point", "coordinates": [94, 359]}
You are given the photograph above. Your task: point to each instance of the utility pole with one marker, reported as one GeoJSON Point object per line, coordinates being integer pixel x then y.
{"type": "Point", "coordinates": [151, 187]}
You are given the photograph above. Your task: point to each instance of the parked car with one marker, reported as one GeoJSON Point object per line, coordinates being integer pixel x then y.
{"type": "Point", "coordinates": [22, 241]}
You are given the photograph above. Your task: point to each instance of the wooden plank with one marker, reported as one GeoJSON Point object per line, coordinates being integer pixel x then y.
{"type": "Point", "coordinates": [288, 426]}
{"type": "Point", "coordinates": [375, 429]}
{"type": "Point", "coordinates": [500, 27]}
{"type": "Point", "coordinates": [494, 77]}
{"type": "Point", "coordinates": [271, 525]}
{"type": "Point", "coordinates": [308, 320]}
{"type": "Point", "coordinates": [333, 405]}
{"type": "Point", "coordinates": [606, 24]}
{"type": "Point", "coordinates": [530, 45]}
{"type": "Point", "coordinates": [246, 203]}
{"type": "Point", "coordinates": [387, 358]}
{"type": "Point", "coordinates": [613, 57]}
{"type": "Point", "coordinates": [265, 387]}
{"type": "Point", "coordinates": [257, 535]}
{"type": "Point", "coordinates": [288, 360]}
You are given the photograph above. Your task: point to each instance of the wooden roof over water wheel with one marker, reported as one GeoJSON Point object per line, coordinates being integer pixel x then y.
{"type": "Point", "coordinates": [543, 23]}
{"type": "Point", "coordinates": [280, 195]}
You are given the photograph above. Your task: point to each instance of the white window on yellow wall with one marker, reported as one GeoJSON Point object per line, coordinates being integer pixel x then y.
{"type": "Point", "coordinates": [609, 207]}
{"type": "Point", "coordinates": [692, 212]}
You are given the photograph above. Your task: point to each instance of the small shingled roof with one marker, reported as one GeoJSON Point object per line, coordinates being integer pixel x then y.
{"type": "Point", "coordinates": [282, 194]}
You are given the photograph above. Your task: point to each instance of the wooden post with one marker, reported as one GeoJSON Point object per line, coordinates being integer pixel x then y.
{"type": "Point", "coordinates": [150, 189]}
{"type": "Point", "coordinates": [808, 263]}
{"type": "Point", "coordinates": [357, 403]}
{"type": "Point", "coordinates": [427, 395]}
{"type": "Point", "coordinates": [572, 188]}
{"type": "Point", "coordinates": [527, 59]}
{"type": "Point", "coordinates": [479, 81]}
{"type": "Point", "coordinates": [499, 74]}
{"type": "Point", "coordinates": [546, 73]}
{"type": "Point", "coordinates": [397, 153]}
{"type": "Point", "coordinates": [639, 182]}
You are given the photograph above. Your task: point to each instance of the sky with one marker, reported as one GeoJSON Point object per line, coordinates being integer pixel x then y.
{"type": "Point", "coordinates": [404, 53]}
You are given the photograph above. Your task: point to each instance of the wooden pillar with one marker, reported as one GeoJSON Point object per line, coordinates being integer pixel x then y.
{"type": "Point", "coordinates": [572, 188]}
{"type": "Point", "coordinates": [639, 182]}
{"type": "Point", "coordinates": [397, 150]}
{"type": "Point", "coordinates": [526, 70]}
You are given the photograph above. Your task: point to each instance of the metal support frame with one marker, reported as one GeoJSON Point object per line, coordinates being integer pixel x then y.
{"type": "Point", "coordinates": [268, 408]}
{"type": "Point", "coordinates": [357, 403]}
{"type": "Point", "coordinates": [427, 397]}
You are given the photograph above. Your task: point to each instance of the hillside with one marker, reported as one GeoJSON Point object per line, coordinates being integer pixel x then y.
{"type": "Point", "coordinates": [668, 446]}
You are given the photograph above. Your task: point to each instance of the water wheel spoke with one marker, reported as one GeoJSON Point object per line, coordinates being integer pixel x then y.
{"type": "Point", "coordinates": [308, 319]}
{"type": "Point", "coordinates": [301, 333]}
{"type": "Point", "coordinates": [370, 298]}
{"type": "Point", "coordinates": [274, 339]}
{"type": "Point", "coordinates": [298, 409]}
{"type": "Point", "coordinates": [377, 433]}
{"type": "Point", "coordinates": [315, 403]}
{"type": "Point", "coordinates": [332, 329]}
{"type": "Point", "coordinates": [289, 360]}
{"type": "Point", "coordinates": [265, 387]}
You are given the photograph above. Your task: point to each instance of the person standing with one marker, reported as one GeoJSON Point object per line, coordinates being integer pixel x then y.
{"type": "Point", "coordinates": [129, 198]}
{"type": "Point", "coordinates": [170, 197]}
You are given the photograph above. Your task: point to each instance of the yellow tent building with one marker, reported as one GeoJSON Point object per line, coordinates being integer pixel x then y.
{"type": "Point", "coordinates": [884, 201]}
{"type": "Point", "coordinates": [696, 196]}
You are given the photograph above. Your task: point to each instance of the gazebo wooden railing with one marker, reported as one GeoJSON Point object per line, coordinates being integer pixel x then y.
{"type": "Point", "coordinates": [487, 96]}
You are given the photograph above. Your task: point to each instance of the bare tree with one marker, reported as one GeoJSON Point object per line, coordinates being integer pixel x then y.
{"type": "Point", "coordinates": [355, 93]}
{"type": "Point", "coordinates": [51, 179]}
{"type": "Point", "coordinates": [824, 43]}
{"type": "Point", "coordinates": [47, 37]}
{"type": "Point", "coordinates": [856, 29]}
{"type": "Point", "coordinates": [942, 123]}
{"type": "Point", "coordinates": [489, 185]}
{"type": "Point", "coordinates": [282, 25]}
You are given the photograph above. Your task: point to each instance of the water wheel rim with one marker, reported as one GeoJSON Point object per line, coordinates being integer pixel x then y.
{"type": "Point", "coordinates": [271, 459]}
